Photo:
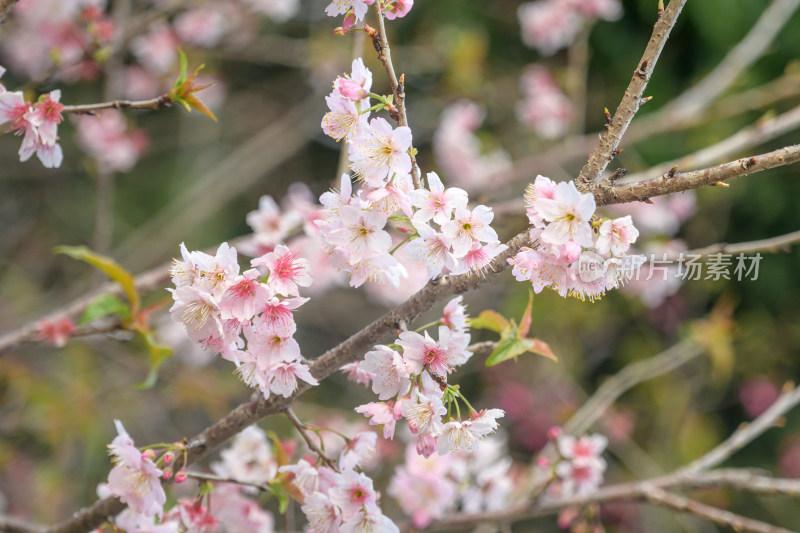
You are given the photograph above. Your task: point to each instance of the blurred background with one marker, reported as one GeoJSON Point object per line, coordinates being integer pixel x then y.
{"type": "Point", "coordinates": [473, 109]}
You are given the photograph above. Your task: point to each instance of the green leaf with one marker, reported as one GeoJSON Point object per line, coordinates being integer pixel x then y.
{"type": "Point", "coordinates": [104, 305]}
{"type": "Point", "coordinates": [184, 69]}
{"type": "Point", "coordinates": [525, 322]}
{"type": "Point", "coordinates": [107, 266]}
{"type": "Point", "coordinates": [511, 347]}
{"type": "Point", "coordinates": [158, 354]}
{"type": "Point", "coordinates": [491, 320]}
{"type": "Point", "coordinates": [507, 348]}
{"type": "Point", "coordinates": [280, 493]}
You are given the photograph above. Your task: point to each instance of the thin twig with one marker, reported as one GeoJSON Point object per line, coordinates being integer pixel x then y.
{"type": "Point", "coordinates": [781, 243]}
{"type": "Point", "coordinates": [734, 521]}
{"type": "Point", "coordinates": [301, 428]}
{"type": "Point", "coordinates": [758, 133]}
{"type": "Point", "coordinates": [643, 190]}
{"type": "Point", "coordinates": [740, 57]}
{"type": "Point", "coordinates": [631, 101]}
{"type": "Point", "coordinates": [162, 102]}
{"type": "Point", "coordinates": [381, 43]}
{"type": "Point", "coordinates": [202, 476]}
{"type": "Point", "coordinates": [5, 8]}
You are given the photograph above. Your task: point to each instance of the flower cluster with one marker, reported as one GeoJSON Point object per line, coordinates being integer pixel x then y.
{"type": "Point", "coordinates": [37, 123]}
{"type": "Point", "coordinates": [550, 25]}
{"type": "Point", "coordinates": [458, 149]}
{"type": "Point", "coordinates": [410, 379]}
{"type": "Point", "coordinates": [430, 488]}
{"type": "Point", "coordinates": [578, 254]}
{"type": "Point", "coordinates": [545, 108]}
{"type": "Point", "coordinates": [340, 498]}
{"type": "Point", "coordinates": [216, 304]}
{"type": "Point", "coordinates": [355, 10]}
{"type": "Point", "coordinates": [579, 468]}
{"type": "Point", "coordinates": [108, 139]}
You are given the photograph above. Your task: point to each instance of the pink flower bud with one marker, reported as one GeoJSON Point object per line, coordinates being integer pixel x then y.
{"type": "Point", "coordinates": [571, 251]}
{"type": "Point", "coordinates": [180, 477]}
{"type": "Point", "coordinates": [349, 21]}
{"type": "Point", "coordinates": [148, 454]}
{"type": "Point", "coordinates": [168, 458]}
{"type": "Point", "coordinates": [340, 32]}
{"type": "Point", "coordinates": [553, 433]}
{"type": "Point", "coordinates": [167, 474]}
{"type": "Point", "coordinates": [351, 90]}
{"type": "Point", "coordinates": [542, 462]}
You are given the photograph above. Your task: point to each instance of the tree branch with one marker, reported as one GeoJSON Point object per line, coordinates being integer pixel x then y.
{"type": "Point", "coordinates": [301, 428]}
{"type": "Point", "coordinates": [5, 8]}
{"type": "Point", "coordinates": [609, 141]}
{"type": "Point", "coordinates": [758, 133]}
{"type": "Point", "coordinates": [643, 190]}
{"type": "Point", "coordinates": [781, 243]}
{"type": "Point", "coordinates": [162, 102]}
{"type": "Point", "coordinates": [712, 514]}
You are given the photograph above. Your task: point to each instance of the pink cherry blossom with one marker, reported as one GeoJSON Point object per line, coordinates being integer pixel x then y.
{"type": "Point", "coordinates": [545, 108]}
{"type": "Point", "coordinates": [390, 371]}
{"type": "Point", "coordinates": [432, 249]}
{"type": "Point", "coordinates": [322, 514]}
{"type": "Point", "coordinates": [276, 315]}
{"type": "Point", "coordinates": [469, 226]}
{"type": "Point", "coordinates": [380, 414]}
{"type": "Point", "coordinates": [424, 414]}
{"type": "Point", "coordinates": [568, 215]}
{"type": "Point", "coordinates": [106, 137]}
{"type": "Point", "coordinates": [343, 121]}
{"type": "Point", "coordinates": [358, 450]}
{"type": "Point", "coordinates": [548, 25]}
{"type": "Point", "coordinates": [305, 477]}
{"type": "Point", "coordinates": [436, 202]}
{"type": "Point", "coordinates": [340, 7]}
{"type": "Point", "coordinates": [249, 458]}
{"type": "Point", "coordinates": [616, 236]}
{"type": "Point", "coordinates": [379, 152]}
{"type": "Point", "coordinates": [361, 234]}
{"type": "Point", "coordinates": [198, 311]}
{"type": "Point", "coordinates": [395, 9]}
{"type": "Point", "coordinates": [286, 270]}
{"type": "Point", "coordinates": [478, 257]}
{"type": "Point", "coordinates": [454, 315]}
{"type": "Point", "coordinates": [369, 520]}
{"type": "Point", "coordinates": [240, 299]}
{"type": "Point", "coordinates": [285, 375]}
{"type": "Point", "coordinates": [352, 493]}
{"type": "Point", "coordinates": [135, 479]}
{"type": "Point", "coordinates": [357, 374]}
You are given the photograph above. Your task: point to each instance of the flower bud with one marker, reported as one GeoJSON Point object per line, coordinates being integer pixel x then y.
{"type": "Point", "coordinates": [571, 251]}
{"type": "Point", "coordinates": [553, 433]}
{"type": "Point", "coordinates": [180, 477]}
{"type": "Point", "coordinates": [351, 90]}
{"type": "Point", "coordinates": [542, 462]}
{"type": "Point", "coordinates": [148, 454]}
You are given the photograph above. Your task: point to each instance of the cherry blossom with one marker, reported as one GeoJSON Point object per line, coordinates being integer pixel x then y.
{"type": "Point", "coordinates": [380, 152]}
{"type": "Point", "coordinates": [616, 236]}
{"type": "Point", "coordinates": [286, 270]}
{"type": "Point", "coordinates": [390, 372]}
{"type": "Point", "coordinates": [436, 202]}
{"type": "Point", "coordinates": [135, 479]}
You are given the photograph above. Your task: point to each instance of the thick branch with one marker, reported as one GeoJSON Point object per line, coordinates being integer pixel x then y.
{"type": "Point", "coordinates": [162, 102]}
{"type": "Point", "coordinates": [632, 98]}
